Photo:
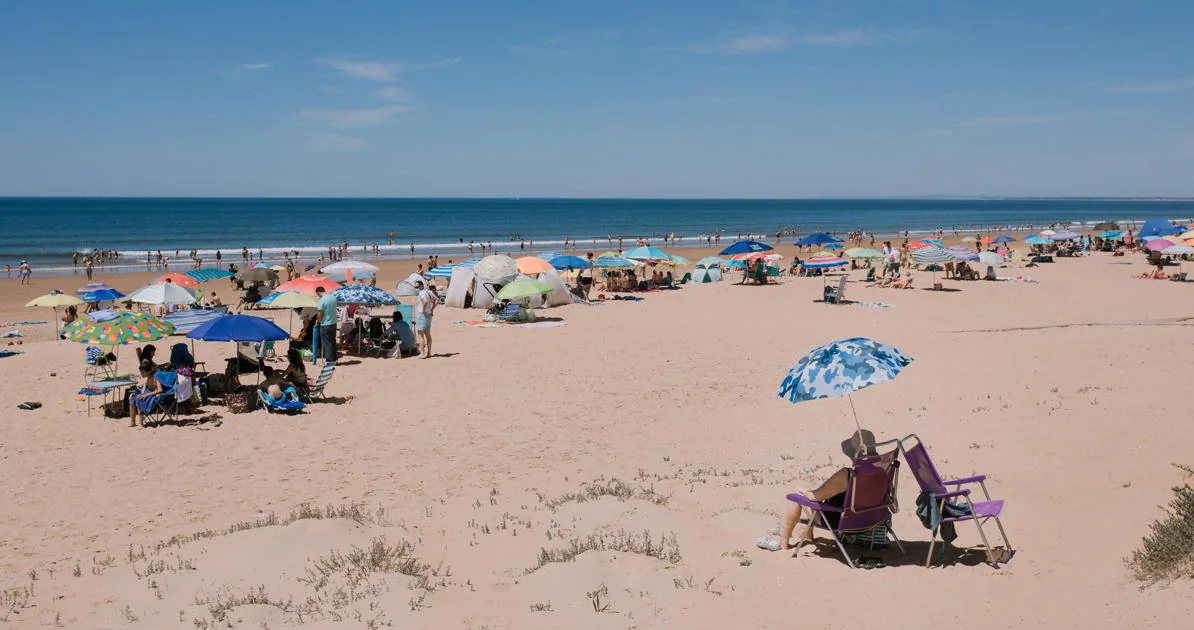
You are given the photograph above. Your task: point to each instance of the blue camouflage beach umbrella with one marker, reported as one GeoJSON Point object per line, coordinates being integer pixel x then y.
{"type": "Point", "coordinates": [745, 247]}
{"type": "Point", "coordinates": [841, 368]}
{"type": "Point", "coordinates": [363, 294]}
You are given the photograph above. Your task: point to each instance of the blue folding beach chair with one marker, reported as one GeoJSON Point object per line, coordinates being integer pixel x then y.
{"type": "Point", "coordinates": [288, 403]}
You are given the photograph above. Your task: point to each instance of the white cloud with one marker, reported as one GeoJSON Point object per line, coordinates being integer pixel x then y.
{"type": "Point", "coordinates": [569, 44]}
{"type": "Point", "coordinates": [393, 93]}
{"type": "Point", "coordinates": [1154, 87]}
{"type": "Point", "coordinates": [354, 118]}
{"type": "Point", "coordinates": [332, 142]}
{"type": "Point", "coordinates": [755, 43]}
{"type": "Point", "coordinates": [381, 71]}
{"type": "Point", "coordinates": [254, 67]}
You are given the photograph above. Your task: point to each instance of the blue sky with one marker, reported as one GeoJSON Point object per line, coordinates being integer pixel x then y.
{"type": "Point", "coordinates": [615, 98]}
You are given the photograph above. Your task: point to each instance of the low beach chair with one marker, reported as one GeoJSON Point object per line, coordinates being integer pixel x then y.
{"type": "Point", "coordinates": [511, 313]}
{"type": "Point", "coordinates": [99, 366]}
{"type": "Point", "coordinates": [685, 280]}
{"type": "Point", "coordinates": [321, 382]}
{"type": "Point", "coordinates": [836, 295]}
{"type": "Point", "coordinates": [288, 403]}
{"type": "Point", "coordinates": [869, 502]}
{"type": "Point", "coordinates": [167, 403]}
{"type": "Point", "coordinates": [934, 489]}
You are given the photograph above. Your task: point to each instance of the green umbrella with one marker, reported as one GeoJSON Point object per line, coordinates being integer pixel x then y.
{"type": "Point", "coordinates": [523, 289]}
{"type": "Point", "coordinates": [863, 253]}
{"type": "Point", "coordinates": [680, 260]}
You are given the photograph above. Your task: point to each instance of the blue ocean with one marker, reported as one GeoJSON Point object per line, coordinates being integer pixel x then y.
{"type": "Point", "coordinates": [46, 231]}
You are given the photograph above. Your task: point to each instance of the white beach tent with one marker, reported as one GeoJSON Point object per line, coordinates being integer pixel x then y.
{"type": "Point", "coordinates": [701, 275]}
{"type": "Point", "coordinates": [407, 287]}
{"type": "Point", "coordinates": [559, 295]}
{"type": "Point", "coordinates": [459, 286]}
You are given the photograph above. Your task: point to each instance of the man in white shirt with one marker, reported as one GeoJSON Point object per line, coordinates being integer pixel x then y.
{"type": "Point", "coordinates": [424, 309]}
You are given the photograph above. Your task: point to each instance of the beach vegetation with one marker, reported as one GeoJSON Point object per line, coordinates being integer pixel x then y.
{"type": "Point", "coordinates": [350, 511]}
{"type": "Point", "coordinates": [666, 548]}
{"type": "Point", "coordinates": [598, 489]}
{"type": "Point", "coordinates": [1167, 552]}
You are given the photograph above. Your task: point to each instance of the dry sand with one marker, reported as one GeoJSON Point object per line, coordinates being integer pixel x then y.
{"type": "Point", "coordinates": [1070, 393]}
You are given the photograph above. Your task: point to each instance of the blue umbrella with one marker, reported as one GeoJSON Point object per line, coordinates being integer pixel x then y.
{"type": "Point", "coordinates": [207, 275]}
{"type": "Point", "coordinates": [1037, 240]}
{"type": "Point", "coordinates": [735, 264]}
{"type": "Point", "coordinates": [614, 262]}
{"type": "Point", "coordinates": [363, 294]}
{"type": "Point", "coordinates": [548, 256]}
{"type": "Point", "coordinates": [835, 246]}
{"type": "Point", "coordinates": [745, 247]}
{"type": "Point", "coordinates": [647, 253]}
{"type": "Point", "coordinates": [101, 295]}
{"type": "Point", "coordinates": [238, 328]}
{"type": "Point", "coordinates": [189, 319]}
{"type": "Point", "coordinates": [1004, 239]}
{"type": "Point", "coordinates": [820, 238]}
{"type": "Point", "coordinates": [1111, 235]}
{"type": "Point", "coordinates": [564, 262]}
{"type": "Point", "coordinates": [841, 368]}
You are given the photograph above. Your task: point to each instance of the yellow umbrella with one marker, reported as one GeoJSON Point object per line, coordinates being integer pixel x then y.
{"type": "Point", "coordinates": [278, 268]}
{"type": "Point", "coordinates": [54, 300]}
{"type": "Point", "coordinates": [531, 265]}
{"type": "Point", "coordinates": [293, 299]}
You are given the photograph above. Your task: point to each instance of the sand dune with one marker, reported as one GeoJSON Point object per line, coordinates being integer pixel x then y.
{"type": "Point", "coordinates": [470, 470]}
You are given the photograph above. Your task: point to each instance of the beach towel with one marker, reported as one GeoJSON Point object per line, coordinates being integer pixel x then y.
{"type": "Point", "coordinates": [23, 323]}
{"type": "Point", "coordinates": [11, 333]}
{"type": "Point", "coordinates": [540, 325]}
{"type": "Point", "coordinates": [478, 324]}
{"type": "Point", "coordinates": [870, 304]}
{"type": "Point", "coordinates": [9, 353]}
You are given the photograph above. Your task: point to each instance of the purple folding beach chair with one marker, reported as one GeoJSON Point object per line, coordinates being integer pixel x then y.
{"type": "Point", "coordinates": [869, 502]}
{"type": "Point", "coordinates": [917, 458]}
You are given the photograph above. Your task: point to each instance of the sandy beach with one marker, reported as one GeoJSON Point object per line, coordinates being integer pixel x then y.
{"type": "Point", "coordinates": [467, 477]}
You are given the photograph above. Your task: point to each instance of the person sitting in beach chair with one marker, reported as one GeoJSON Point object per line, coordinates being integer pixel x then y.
{"type": "Point", "coordinates": [882, 283]}
{"type": "Point", "coordinates": [854, 504]}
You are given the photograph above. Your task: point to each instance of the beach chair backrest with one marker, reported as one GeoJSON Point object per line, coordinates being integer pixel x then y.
{"type": "Point", "coordinates": [167, 379]}
{"type": "Point", "coordinates": [325, 377]}
{"type": "Point", "coordinates": [917, 458]}
{"type": "Point", "coordinates": [870, 495]}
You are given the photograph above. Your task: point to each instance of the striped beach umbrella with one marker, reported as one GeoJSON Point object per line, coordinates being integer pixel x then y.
{"type": "Point", "coordinates": [614, 262]}
{"type": "Point", "coordinates": [92, 286]}
{"type": "Point", "coordinates": [186, 320]}
{"type": "Point", "coordinates": [207, 274]}
{"type": "Point", "coordinates": [921, 245]}
{"type": "Point", "coordinates": [961, 253]}
{"type": "Point", "coordinates": [932, 255]}
{"type": "Point", "coordinates": [824, 262]}
{"type": "Point", "coordinates": [177, 278]}
{"type": "Point", "coordinates": [126, 327]}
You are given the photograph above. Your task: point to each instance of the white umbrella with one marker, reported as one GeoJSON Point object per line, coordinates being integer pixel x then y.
{"type": "Point", "coordinates": [496, 266]}
{"type": "Point", "coordinates": [165, 293]}
{"type": "Point", "coordinates": [990, 258]}
{"type": "Point", "coordinates": [355, 266]}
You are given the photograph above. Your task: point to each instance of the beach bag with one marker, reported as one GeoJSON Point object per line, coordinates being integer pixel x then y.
{"type": "Point", "coordinates": [116, 409]}
{"type": "Point", "coordinates": [242, 401]}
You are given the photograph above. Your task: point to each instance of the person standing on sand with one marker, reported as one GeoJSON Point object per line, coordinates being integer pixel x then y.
{"type": "Point", "coordinates": [24, 271]}
{"type": "Point", "coordinates": [424, 310]}
{"type": "Point", "coordinates": [327, 323]}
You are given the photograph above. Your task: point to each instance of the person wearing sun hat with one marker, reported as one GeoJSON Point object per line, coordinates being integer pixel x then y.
{"type": "Point", "coordinates": [831, 492]}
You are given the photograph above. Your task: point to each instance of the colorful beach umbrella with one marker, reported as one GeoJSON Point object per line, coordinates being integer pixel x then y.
{"type": "Point", "coordinates": [124, 327]}
{"type": "Point", "coordinates": [745, 247]}
{"type": "Point", "coordinates": [308, 284]}
{"type": "Point", "coordinates": [1004, 239]}
{"type": "Point", "coordinates": [523, 289]}
{"type": "Point", "coordinates": [823, 262]}
{"type": "Point", "coordinates": [1158, 244]}
{"type": "Point", "coordinates": [531, 265]}
{"type": "Point", "coordinates": [841, 368]}
{"type": "Point", "coordinates": [914, 245]}
{"type": "Point", "coordinates": [1037, 240]}
{"type": "Point", "coordinates": [1111, 236]}
{"type": "Point", "coordinates": [959, 253]}
{"type": "Point", "coordinates": [181, 280]}
{"type": "Point", "coordinates": [364, 294]}
{"type": "Point", "coordinates": [207, 274]}
{"type": "Point", "coordinates": [647, 254]}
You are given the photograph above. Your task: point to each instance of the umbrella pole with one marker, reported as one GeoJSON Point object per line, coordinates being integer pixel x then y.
{"type": "Point", "coordinates": [850, 397]}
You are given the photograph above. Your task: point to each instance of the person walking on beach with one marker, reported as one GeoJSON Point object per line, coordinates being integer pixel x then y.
{"type": "Point", "coordinates": [24, 271]}
{"type": "Point", "coordinates": [327, 323]}
{"type": "Point", "coordinates": [424, 309]}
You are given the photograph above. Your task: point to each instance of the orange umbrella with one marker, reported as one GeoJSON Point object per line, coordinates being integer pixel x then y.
{"type": "Point", "coordinates": [308, 284]}
{"type": "Point", "coordinates": [179, 279]}
{"type": "Point", "coordinates": [531, 265]}
{"type": "Point", "coordinates": [919, 244]}
{"type": "Point", "coordinates": [984, 239]}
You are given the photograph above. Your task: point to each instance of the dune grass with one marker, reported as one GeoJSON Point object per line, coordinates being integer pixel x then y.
{"type": "Point", "coordinates": [1167, 553]}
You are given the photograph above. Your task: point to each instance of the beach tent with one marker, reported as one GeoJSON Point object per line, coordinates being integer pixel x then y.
{"type": "Point", "coordinates": [1155, 227]}
{"type": "Point", "coordinates": [559, 291]}
{"type": "Point", "coordinates": [461, 283]}
{"type": "Point", "coordinates": [702, 275]}
{"type": "Point", "coordinates": [407, 287]}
